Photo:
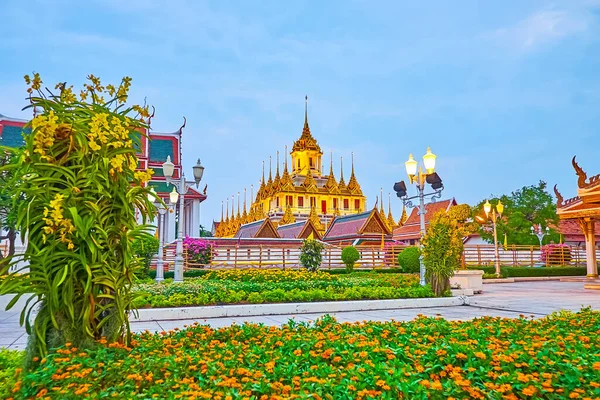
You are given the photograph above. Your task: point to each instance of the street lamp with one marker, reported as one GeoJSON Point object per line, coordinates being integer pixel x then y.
{"type": "Point", "coordinates": [416, 176]}
{"type": "Point", "coordinates": [493, 214]}
{"type": "Point", "coordinates": [152, 197]}
{"type": "Point", "coordinates": [540, 233]}
{"type": "Point", "coordinates": [180, 187]}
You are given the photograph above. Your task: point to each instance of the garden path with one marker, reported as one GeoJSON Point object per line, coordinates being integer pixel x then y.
{"type": "Point", "coordinates": [507, 300]}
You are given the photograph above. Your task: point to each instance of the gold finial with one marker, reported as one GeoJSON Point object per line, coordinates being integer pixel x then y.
{"type": "Point", "coordinates": [221, 210]}
{"type": "Point", "coordinates": [277, 173]}
{"type": "Point", "coordinates": [232, 204]}
{"type": "Point", "coordinates": [285, 168]}
{"type": "Point", "coordinates": [341, 168]}
{"type": "Point", "coordinates": [252, 192]}
{"type": "Point", "coordinates": [381, 209]}
{"type": "Point", "coordinates": [352, 163]}
{"type": "Point", "coordinates": [227, 209]}
{"type": "Point", "coordinates": [244, 199]}
{"type": "Point", "coordinates": [270, 175]}
{"type": "Point", "coordinates": [238, 208]}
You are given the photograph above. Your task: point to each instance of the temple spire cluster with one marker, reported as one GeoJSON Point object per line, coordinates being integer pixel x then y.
{"type": "Point", "coordinates": [301, 192]}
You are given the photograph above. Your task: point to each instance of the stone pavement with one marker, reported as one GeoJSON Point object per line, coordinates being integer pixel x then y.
{"type": "Point", "coordinates": [509, 300]}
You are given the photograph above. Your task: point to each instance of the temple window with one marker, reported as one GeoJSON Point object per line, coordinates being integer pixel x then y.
{"type": "Point", "coordinates": [289, 201]}
{"type": "Point", "coordinates": [298, 163]}
{"type": "Point", "coordinates": [300, 201]}
{"type": "Point", "coordinates": [335, 203]}
{"type": "Point", "coordinates": [357, 204]}
{"type": "Point", "coordinates": [313, 201]}
{"type": "Point", "coordinates": [346, 204]}
{"type": "Point", "coordinates": [277, 202]}
{"type": "Point", "coordinates": [311, 162]}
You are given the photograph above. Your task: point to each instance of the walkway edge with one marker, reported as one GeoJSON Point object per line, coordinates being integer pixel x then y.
{"type": "Point", "coordinates": [246, 310]}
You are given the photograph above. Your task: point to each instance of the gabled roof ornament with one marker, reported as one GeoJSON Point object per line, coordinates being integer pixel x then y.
{"type": "Point", "coordinates": [581, 175]}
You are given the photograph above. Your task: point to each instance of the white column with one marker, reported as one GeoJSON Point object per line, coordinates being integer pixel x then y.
{"type": "Point", "coordinates": [170, 223]}
{"type": "Point", "coordinates": [590, 249]}
{"type": "Point", "coordinates": [195, 224]}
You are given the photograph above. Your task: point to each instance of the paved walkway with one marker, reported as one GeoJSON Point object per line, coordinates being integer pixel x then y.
{"type": "Point", "coordinates": [509, 300]}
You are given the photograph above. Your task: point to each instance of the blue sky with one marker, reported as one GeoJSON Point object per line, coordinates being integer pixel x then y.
{"type": "Point", "coordinates": [505, 93]}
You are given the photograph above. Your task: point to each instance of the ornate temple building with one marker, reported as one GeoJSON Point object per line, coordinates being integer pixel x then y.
{"type": "Point", "coordinates": [585, 210]}
{"type": "Point", "coordinates": [300, 192]}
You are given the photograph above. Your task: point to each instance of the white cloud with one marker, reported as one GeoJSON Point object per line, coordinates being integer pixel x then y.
{"type": "Point", "coordinates": [545, 27]}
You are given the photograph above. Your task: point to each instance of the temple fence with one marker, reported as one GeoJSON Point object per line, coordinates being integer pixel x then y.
{"type": "Point", "coordinates": [288, 256]}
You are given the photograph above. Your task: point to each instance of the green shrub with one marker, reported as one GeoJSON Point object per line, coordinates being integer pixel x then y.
{"type": "Point", "coordinates": [194, 273]}
{"type": "Point", "coordinates": [409, 259]}
{"type": "Point", "coordinates": [521, 272]}
{"type": "Point", "coordinates": [10, 360]}
{"type": "Point", "coordinates": [311, 254]}
{"type": "Point", "coordinates": [145, 248]}
{"type": "Point", "coordinates": [349, 257]}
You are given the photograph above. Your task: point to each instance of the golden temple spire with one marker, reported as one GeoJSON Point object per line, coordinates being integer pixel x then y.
{"type": "Point", "coordinates": [288, 216]}
{"type": "Point", "coordinates": [286, 182]}
{"type": "Point", "coordinates": [309, 182]}
{"type": "Point", "coordinates": [390, 217]}
{"type": "Point", "coordinates": [245, 213]}
{"type": "Point", "coordinates": [381, 210]}
{"type": "Point", "coordinates": [270, 181]}
{"type": "Point", "coordinates": [277, 180]}
{"type": "Point", "coordinates": [260, 193]}
{"type": "Point", "coordinates": [353, 185]}
{"type": "Point", "coordinates": [314, 218]}
{"type": "Point", "coordinates": [306, 141]}
{"type": "Point", "coordinates": [403, 217]}
{"type": "Point", "coordinates": [238, 215]}
{"type": "Point", "coordinates": [331, 185]}
{"type": "Point", "coordinates": [277, 176]}
{"type": "Point", "coordinates": [341, 183]}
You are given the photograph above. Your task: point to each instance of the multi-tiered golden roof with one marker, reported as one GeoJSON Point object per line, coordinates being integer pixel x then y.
{"type": "Point", "coordinates": [300, 192]}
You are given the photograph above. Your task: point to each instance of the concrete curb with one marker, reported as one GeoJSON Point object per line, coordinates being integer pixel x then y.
{"type": "Point", "coordinates": [245, 310]}
{"type": "Point", "coordinates": [531, 279]}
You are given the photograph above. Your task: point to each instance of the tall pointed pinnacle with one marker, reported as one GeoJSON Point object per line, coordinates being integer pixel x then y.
{"type": "Point", "coordinates": [381, 209]}
{"type": "Point", "coordinates": [306, 110]}
{"type": "Point", "coordinates": [222, 211]}
{"type": "Point", "coordinates": [331, 183]}
{"type": "Point", "coordinates": [403, 217]}
{"type": "Point", "coordinates": [390, 217]}
{"type": "Point", "coordinates": [285, 168]}
{"type": "Point", "coordinates": [227, 212]}
{"type": "Point", "coordinates": [245, 213]}
{"type": "Point", "coordinates": [277, 176]}
{"type": "Point", "coordinates": [270, 168]}
{"type": "Point", "coordinates": [353, 185]}
{"type": "Point", "coordinates": [286, 182]}
{"type": "Point", "coordinates": [341, 183]}
{"type": "Point", "coordinates": [238, 215]}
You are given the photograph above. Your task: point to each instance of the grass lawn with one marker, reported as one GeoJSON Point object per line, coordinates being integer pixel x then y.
{"type": "Point", "coordinates": [555, 357]}
{"type": "Point", "coordinates": [277, 286]}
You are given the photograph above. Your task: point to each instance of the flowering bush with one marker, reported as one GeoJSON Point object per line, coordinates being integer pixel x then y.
{"type": "Point", "coordinates": [486, 358]}
{"type": "Point", "coordinates": [277, 286]}
{"type": "Point", "coordinates": [556, 254]}
{"type": "Point", "coordinates": [269, 275]}
{"type": "Point", "coordinates": [199, 251]}
{"type": "Point", "coordinates": [76, 192]}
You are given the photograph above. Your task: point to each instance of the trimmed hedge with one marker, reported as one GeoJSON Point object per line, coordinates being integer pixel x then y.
{"type": "Point", "coordinates": [520, 272]}
{"type": "Point", "coordinates": [409, 259]}
{"type": "Point", "coordinates": [341, 271]}
{"type": "Point", "coordinates": [187, 274]}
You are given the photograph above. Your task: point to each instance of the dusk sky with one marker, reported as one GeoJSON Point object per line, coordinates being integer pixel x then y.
{"type": "Point", "coordinates": [505, 93]}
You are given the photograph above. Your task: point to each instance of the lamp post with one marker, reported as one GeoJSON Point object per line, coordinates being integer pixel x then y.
{"type": "Point", "coordinates": [540, 233]}
{"type": "Point", "coordinates": [180, 187]}
{"type": "Point", "coordinates": [419, 178]}
{"type": "Point", "coordinates": [493, 214]}
{"type": "Point", "coordinates": [160, 272]}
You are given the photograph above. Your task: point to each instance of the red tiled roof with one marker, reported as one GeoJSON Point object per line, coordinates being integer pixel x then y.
{"type": "Point", "coordinates": [291, 231]}
{"type": "Point", "coordinates": [412, 228]}
{"type": "Point", "coordinates": [347, 225]}
{"type": "Point", "coordinates": [249, 230]}
{"type": "Point", "coordinates": [571, 231]}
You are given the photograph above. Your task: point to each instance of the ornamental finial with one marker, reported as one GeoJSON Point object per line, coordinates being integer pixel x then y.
{"type": "Point", "coordinates": [581, 175]}
{"type": "Point", "coordinates": [559, 197]}
{"type": "Point", "coordinates": [306, 110]}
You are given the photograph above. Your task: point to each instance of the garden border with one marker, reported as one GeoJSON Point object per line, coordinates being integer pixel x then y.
{"type": "Point", "coordinates": [245, 310]}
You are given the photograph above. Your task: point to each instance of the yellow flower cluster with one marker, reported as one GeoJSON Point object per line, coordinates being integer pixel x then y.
{"type": "Point", "coordinates": [113, 133]}
{"type": "Point", "coordinates": [56, 222]}
{"type": "Point", "coordinates": [144, 176]}
{"type": "Point", "coordinates": [270, 275]}
{"type": "Point", "coordinates": [44, 128]}
{"type": "Point", "coordinates": [35, 83]}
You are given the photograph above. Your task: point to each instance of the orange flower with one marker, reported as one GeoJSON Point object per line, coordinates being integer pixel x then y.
{"type": "Point", "coordinates": [529, 391]}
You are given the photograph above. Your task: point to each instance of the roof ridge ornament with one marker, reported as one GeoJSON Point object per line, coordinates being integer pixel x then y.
{"type": "Point", "coordinates": [581, 175]}
{"type": "Point", "coordinates": [559, 197]}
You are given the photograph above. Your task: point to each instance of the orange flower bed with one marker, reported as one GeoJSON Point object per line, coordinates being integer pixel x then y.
{"type": "Point", "coordinates": [488, 358]}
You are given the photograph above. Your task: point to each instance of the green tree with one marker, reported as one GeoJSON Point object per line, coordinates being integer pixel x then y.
{"type": "Point", "coordinates": [77, 174]}
{"type": "Point", "coordinates": [443, 245]}
{"type": "Point", "coordinates": [204, 232]}
{"type": "Point", "coordinates": [311, 254]}
{"type": "Point", "coordinates": [349, 257]}
{"type": "Point", "coordinates": [523, 208]}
